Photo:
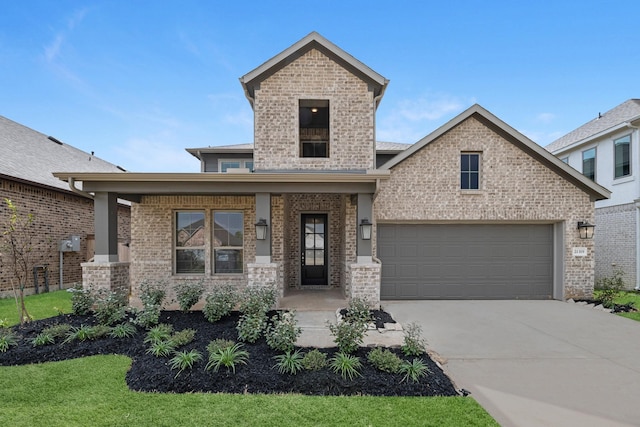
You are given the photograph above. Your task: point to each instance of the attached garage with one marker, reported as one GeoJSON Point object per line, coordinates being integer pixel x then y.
{"type": "Point", "coordinates": [466, 261]}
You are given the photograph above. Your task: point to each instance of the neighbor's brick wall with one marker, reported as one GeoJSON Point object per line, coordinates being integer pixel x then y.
{"type": "Point", "coordinates": [514, 187]}
{"type": "Point", "coordinates": [615, 242]}
{"type": "Point", "coordinates": [57, 215]}
{"type": "Point", "coordinates": [152, 229]}
{"type": "Point", "coordinates": [351, 115]}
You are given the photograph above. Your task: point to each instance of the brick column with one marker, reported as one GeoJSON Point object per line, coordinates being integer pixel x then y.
{"type": "Point", "coordinates": [363, 281]}
{"type": "Point", "coordinates": [113, 276]}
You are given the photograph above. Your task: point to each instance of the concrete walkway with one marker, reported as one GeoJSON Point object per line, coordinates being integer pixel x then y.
{"type": "Point", "coordinates": [536, 363]}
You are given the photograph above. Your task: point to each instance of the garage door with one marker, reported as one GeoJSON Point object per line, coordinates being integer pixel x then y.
{"type": "Point", "coordinates": [463, 261]}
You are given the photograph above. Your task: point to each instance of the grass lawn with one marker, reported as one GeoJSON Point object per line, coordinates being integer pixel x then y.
{"type": "Point", "coordinates": [39, 306]}
{"type": "Point", "coordinates": [93, 391]}
{"type": "Point", "coordinates": [626, 298]}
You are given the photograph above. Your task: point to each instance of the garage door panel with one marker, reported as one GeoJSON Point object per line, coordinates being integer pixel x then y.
{"type": "Point", "coordinates": [453, 261]}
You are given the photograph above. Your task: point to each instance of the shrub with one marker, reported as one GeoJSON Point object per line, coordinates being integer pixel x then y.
{"type": "Point", "coordinates": [610, 287]}
{"type": "Point", "coordinates": [184, 360]}
{"type": "Point", "coordinates": [4, 323]}
{"type": "Point", "coordinates": [81, 300]}
{"type": "Point", "coordinates": [219, 344]}
{"type": "Point", "coordinates": [358, 311]}
{"type": "Point", "coordinates": [123, 330]}
{"type": "Point", "coordinates": [151, 295]}
{"type": "Point", "coordinates": [414, 370]}
{"type": "Point", "coordinates": [161, 332]}
{"type": "Point", "coordinates": [7, 339]}
{"type": "Point", "coordinates": [161, 348]}
{"type": "Point", "coordinates": [250, 326]}
{"type": "Point", "coordinates": [58, 331]}
{"type": "Point", "coordinates": [347, 336]}
{"type": "Point", "coordinates": [110, 307]}
{"type": "Point", "coordinates": [384, 360]}
{"type": "Point", "coordinates": [228, 357]}
{"type": "Point", "coordinates": [100, 331]}
{"type": "Point", "coordinates": [314, 360]}
{"type": "Point", "coordinates": [183, 337]}
{"type": "Point", "coordinates": [81, 333]}
{"type": "Point", "coordinates": [257, 299]}
{"type": "Point", "coordinates": [283, 332]}
{"type": "Point", "coordinates": [188, 294]}
{"type": "Point", "coordinates": [346, 365]}
{"type": "Point", "coordinates": [289, 363]}
{"type": "Point", "coordinates": [43, 338]}
{"type": "Point", "coordinates": [414, 344]}
{"type": "Point", "coordinates": [148, 316]}
{"type": "Point", "coordinates": [220, 303]}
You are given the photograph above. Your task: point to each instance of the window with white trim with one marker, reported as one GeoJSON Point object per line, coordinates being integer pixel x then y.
{"type": "Point", "coordinates": [589, 163]}
{"type": "Point", "coordinates": [224, 164]}
{"type": "Point", "coordinates": [228, 242]}
{"type": "Point", "coordinates": [189, 243]}
{"type": "Point", "coordinates": [622, 156]}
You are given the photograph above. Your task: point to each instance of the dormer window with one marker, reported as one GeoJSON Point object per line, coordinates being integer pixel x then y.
{"type": "Point", "coordinates": [314, 128]}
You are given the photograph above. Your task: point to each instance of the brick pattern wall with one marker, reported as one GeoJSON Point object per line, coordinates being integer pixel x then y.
{"type": "Point", "coordinates": [57, 215]}
{"type": "Point", "coordinates": [351, 115]}
{"type": "Point", "coordinates": [514, 187]}
{"type": "Point", "coordinates": [152, 230]}
{"type": "Point", "coordinates": [113, 276]}
{"type": "Point", "coordinates": [265, 275]}
{"type": "Point", "coordinates": [615, 242]}
{"type": "Point", "coordinates": [363, 281]}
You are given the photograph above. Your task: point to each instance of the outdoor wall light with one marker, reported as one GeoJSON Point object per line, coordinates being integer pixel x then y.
{"type": "Point", "coordinates": [585, 229]}
{"type": "Point", "coordinates": [365, 229]}
{"type": "Point", "coordinates": [261, 229]}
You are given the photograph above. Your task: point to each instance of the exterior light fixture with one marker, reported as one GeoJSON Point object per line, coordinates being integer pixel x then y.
{"type": "Point", "coordinates": [585, 229]}
{"type": "Point", "coordinates": [365, 229]}
{"type": "Point", "coordinates": [261, 229]}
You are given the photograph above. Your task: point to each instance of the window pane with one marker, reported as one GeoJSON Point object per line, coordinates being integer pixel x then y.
{"type": "Point", "coordinates": [189, 229]}
{"type": "Point", "coordinates": [249, 165]}
{"type": "Point", "coordinates": [470, 171]}
{"type": "Point", "coordinates": [464, 162]}
{"type": "Point", "coordinates": [473, 181]}
{"type": "Point", "coordinates": [228, 229]}
{"type": "Point", "coordinates": [309, 256]}
{"type": "Point", "coordinates": [228, 260]}
{"type": "Point", "coordinates": [622, 156]}
{"type": "Point", "coordinates": [226, 165]}
{"type": "Point", "coordinates": [319, 257]}
{"type": "Point", "coordinates": [474, 162]}
{"type": "Point", "coordinates": [190, 261]}
{"type": "Point", "coordinates": [589, 163]}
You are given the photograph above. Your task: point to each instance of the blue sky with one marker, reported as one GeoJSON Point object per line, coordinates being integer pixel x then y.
{"type": "Point", "coordinates": [137, 82]}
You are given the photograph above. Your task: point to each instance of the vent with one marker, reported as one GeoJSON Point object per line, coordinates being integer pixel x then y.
{"type": "Point", "coordinates": [121, 168]}
{"type": "Point", "coordinates": [57, 141]}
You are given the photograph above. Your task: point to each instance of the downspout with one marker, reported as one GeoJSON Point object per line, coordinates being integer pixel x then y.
{"type": "Point", "coordinates": [72, 186]}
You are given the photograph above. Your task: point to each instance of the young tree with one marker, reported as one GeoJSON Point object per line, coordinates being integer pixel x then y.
{"type": "Point", "coordinates": [16, 250]}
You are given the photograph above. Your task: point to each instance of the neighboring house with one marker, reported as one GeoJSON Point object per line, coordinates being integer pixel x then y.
{"type": "Point", "coordinates": [27, 160]}
{"type": "Point", "coordinates": [473, 210]}
{"type": "Point", "coordinates": [605, 149]}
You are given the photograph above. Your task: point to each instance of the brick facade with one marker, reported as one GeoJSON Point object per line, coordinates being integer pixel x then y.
{"type": "Point", "coordinates": [615, 240]}
{"type": "Point", "coordinates": [514, 187]}
{"type": "Point", "coordinates": [351, 110]}
{"type": "Point", "coordinates": [57, 216]}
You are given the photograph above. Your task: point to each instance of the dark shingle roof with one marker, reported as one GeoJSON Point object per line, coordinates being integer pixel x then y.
{"type": "Point", "coordinates": [31, 156]}
{"type": "Point", "coordinates": [628, 110]}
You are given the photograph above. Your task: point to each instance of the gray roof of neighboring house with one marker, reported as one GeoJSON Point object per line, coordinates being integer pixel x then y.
{"type": "Point", "coordinates": [625, 112]}
{"type": "Point", "coordinates": [28, 155]}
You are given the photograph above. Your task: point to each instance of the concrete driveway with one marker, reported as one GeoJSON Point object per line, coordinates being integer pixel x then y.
{"type": "Point", "coordinates": [536, 363]}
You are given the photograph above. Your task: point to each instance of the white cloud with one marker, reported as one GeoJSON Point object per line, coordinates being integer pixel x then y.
{"type": "Point", "coordinates": [52, 50]}
{"type": "Point", "coordinates": [545, 117]}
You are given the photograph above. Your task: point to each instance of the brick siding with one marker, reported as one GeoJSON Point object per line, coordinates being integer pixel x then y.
{"type": "Point", "coordinates": [615, 242]}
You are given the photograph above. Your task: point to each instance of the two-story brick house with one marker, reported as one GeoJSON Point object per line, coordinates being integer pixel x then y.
{"type": "Point", "coordinates": [473, 210]}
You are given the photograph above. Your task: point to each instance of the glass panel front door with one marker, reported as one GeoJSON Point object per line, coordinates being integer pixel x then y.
{"type": "Point", "coordinates": [314, 250]}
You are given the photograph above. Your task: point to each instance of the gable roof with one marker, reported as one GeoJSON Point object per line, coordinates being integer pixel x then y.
{"type": "Point", "coordinates": [608, 122]}
{"type": "Point", "coordinates": [30, 156]}
{"type": "Point", "coordinates": [510, 134]}
{"type": "Point", "coordinates": [312, 41]}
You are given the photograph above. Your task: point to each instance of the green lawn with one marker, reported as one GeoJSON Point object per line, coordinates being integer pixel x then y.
{"type": "Point", "coordinates": [93, 391]}
{"type": "Point", "coordinates": [625, 298]}
{"type": "Point", "coordinates": [39, 306]}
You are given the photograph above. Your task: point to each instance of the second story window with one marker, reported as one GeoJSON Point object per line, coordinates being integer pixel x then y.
{"type": "Point", "coordinates": [223, 165]}
{"type": "Point", "coordinates": [314, 128]}
{"type": "Point", "coordinates": [622, 156]}
{"type": "Point", "coordinates": [589, 163]}
{"type": "Point", "coordinates": [470, 171]}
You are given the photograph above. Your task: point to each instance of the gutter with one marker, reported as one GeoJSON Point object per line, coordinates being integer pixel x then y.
{"type": "Point", "coordinates": [72, 186]}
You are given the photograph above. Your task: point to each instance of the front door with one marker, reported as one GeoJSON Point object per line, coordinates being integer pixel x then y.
{"type": "Point", "coordinates": [314, 253]}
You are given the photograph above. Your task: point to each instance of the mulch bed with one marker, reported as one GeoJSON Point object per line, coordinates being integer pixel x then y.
{"type": "Point", "coordinates": [150, 373]}
{"type": "Point", "coordinates": [617, 308]}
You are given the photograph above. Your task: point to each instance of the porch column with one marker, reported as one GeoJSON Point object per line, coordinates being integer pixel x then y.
{"type": "Point", "coordinates": [365, 210]}
{"type": "Point", "coordinates": [263, 210]}
{"type": "Point", "coordinates": [105, 207]}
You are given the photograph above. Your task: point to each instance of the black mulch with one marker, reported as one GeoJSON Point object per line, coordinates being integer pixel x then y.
{"type": "Point", "coordinates": [150, 373]}
{"type": "Point", "coordinates": [617, 308]}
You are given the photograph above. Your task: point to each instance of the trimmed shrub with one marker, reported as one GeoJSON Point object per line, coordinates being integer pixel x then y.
{"type": "Point", "coordinates": [188, 294]}
{"type": "Point", "coordinates": [110, 307]}
{"type": "Point", "coordinates": [314, 360]}
{"type": "Point", "coordinates": [220, 302]}
{"type": "Point", "coordinates": [81, 300]}
{"type": "Point", "coordinates": [384, 360]}
{"type": "Point", "coordinates": [283, 331]}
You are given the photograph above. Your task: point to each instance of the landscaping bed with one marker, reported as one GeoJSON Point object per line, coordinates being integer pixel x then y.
{"type": "Point", "coordinates": [258, 375]}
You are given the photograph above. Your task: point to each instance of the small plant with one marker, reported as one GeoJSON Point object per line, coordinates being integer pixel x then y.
{"type": "Point", "coordinates": [289, 363]}
{"type": "Point", "coordinates": [123, 330]}
{"type": "Point", "coordinates": [346, 365]}
{"type": "Point", "coordinates": [314, 360]}
{"type": "Point", "coordinates": [148, 316]}
{"type": "Point", "coordinates": [414, 344]}
{"type": "Point", "coordinates": [151, 295]}
{"type": "Point", "coordinates": [43, 338]}
{"type": "Point", "coordinates": [161, 348]}
{"type": "Point", "coordinates": [384, 360]}
{"type": "Point", "coordinates": [81, 333]}
{"type": "Point", "coordinates": [100, 331]}
{"type": "Point", "coordinates": [184, 360]}
{"type": "Point", "coordinates": [161, 332]}
{"type": "Point", "coordinates": [4, 323]}
{"type": "Point", "coordinates": [188, 294]}
{"type": "Point", "coordinates": [257, 299]}
{"type": "Point", "coordinates": [220, 303]}
{"type": "Point", "coordinates": [183, 337]}
{"type": "Point", "coordinates": [58, 331]}
{"type": "Point", "coordinates": [81, 300]}
{"type": "Point", "coordinates": [59, 311]}
{"type": "Point", "coordinates": [414, 370]}
{"type": "Point", "coordinates": [608, 288]}
{"type": "Point", "coordinates": [228, 357]}
{"type": "Point", "coordinates": [250, 326]}
{"type": "Point", "coordinates": [7, 339]}
{"type": "Point", "coordinates": [348, 336]}
{"type": "Point", "coordinates": [110, 307]}
{"type": "Point", "coordinates": [358, 311]}
{"type": "Point", "coordinates": [219, 344]}
{"type": "Point", "coordinates": [283, 332]}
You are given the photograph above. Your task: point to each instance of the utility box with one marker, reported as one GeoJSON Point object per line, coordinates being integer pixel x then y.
{"type": "Point", "coordinates": [71, 244]}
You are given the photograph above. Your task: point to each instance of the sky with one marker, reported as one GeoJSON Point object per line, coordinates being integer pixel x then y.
{"type": "Point", "coordinates": [137, 82]}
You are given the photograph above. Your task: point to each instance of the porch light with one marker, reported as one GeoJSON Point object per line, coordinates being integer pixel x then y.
{"type": "Point", "coordinates": [365, 229]}
{"type": "Point", "coordinates": [261, 229]}
{"type": "Point", "coordinates": [585, 229]}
